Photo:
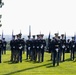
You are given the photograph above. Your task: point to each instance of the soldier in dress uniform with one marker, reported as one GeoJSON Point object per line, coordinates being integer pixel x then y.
{"type": "Point", "coordinates": [28, 47]}
{"type": "Point", "coordinates": [19, 44]}
{"type": "Point", "coordinates": [38, 51]}
{"type": "Point", "coordinates": [63, 46]}
{"type": "Point", "coordinates": [68, 45]}
{"type": "Point", "coordinates": [42, 46]}
{"type": "Point", "coordinates": [72, 47]}
{"type": "Point", "coordinates": [4, 46]}
{"type": "Point", "coordinates": [13, 49]}
{"type": "Point", "coordinates": [0, 49]}
{"type": "Point", "coordinates": [23, 45]}
{"type": "Point", "coordinates": [33, 48]}
{"type": "Point", "coordinates": [56, 51]}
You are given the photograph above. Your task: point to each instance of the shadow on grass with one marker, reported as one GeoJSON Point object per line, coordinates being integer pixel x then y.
{"type": "Point", "coordinates": [29, 69]}
{"type": "Point", "coordinates": [68, 59]}
{"type": "Point", "coordinates": [10, 62]}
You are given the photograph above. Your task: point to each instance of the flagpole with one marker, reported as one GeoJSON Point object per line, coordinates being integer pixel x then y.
{"type": "Point", "coordinates": [30, 31]}
{"type": "Point", "coordinates": [2, 34]}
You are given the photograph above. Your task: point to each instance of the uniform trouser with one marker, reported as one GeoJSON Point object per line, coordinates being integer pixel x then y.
{"type": "Point", "coordinates": [72, 54]}
{"type": "Point", "coordinates": [11, 55]}
{"type": "Point", "coordinates": [20, 55]}
{"type": "Point", "coordinates": [56, 58]}
{"type": "Point", "coordinates": [0, 56]}
{"type": "Point", "coordinates": [27, 53]}
{"type": "Point", "coordinates": [63, 52]}
{"type": "Point", "coordinates": [51, 55]}
{"type": "Point", "coordinates": [16, 56]}
{"type": "Point", "coordinates": [42, 53]}
{"type": "Point", "coordinates": [39, 55]}
{"type": "Point", "coordinates": [23, 50]}
{"type": "Point", "coordinates": [3, 50]}
{"type": "Point", "coordinates": [35, 55]}
{"type": "Point", "coordinates": [31, 54]}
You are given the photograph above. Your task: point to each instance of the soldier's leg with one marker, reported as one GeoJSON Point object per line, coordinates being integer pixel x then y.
{"type": "Point", "coordinates": [23, 50]}
{"type": "Point", "coordinates": [21, 56]}
{"type": "Point", "coordinates": [26, 53]}
{"type": "Point", "coordinates": [38, 56]}
{"type": "Point", "coordinates": [63, 55]}
{"type": "Point", "coordinates": [58, 58]}
{"type": "Point", "coordinates": [11, 55]}
{"type": "Point", "coordinates": [53, 59]}
{"type": "Point", "coordinates": [17, 56]}
{"type": "Point", "coordinates": [4, 51]}
{"type": "Point", "coordinates": [31, 55]}
{"type": "Point", "coordinates": [73, 54]}
{"type": "Point", "coordinates": [0, 56]}
{"type": "Point", "coordinates": [35, 55]}
{"type": "Point", "coordinates": [42, 56]}
{"type": "Point", "coordinates": [51, 55]}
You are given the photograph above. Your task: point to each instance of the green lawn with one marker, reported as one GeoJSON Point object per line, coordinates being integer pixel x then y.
{"type": "Point", "coordinates": [30, 68]}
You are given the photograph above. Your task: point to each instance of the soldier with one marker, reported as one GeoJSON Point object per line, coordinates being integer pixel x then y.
{"type": "Point", "coordinates": [0, 49]}
{"type": "Point", "coordinates": [72, 47]}
{"type": "Point", "coordinates": [68, 45]}
{"type": "Point", "coordinates": [38, 51]}
{"type": "Point", "coordinates": [4, 46]}
{"type": "Point", "coordinates": [56, 51]}
{"type": "Point", "coordinates": [19, 44]}
{"type": "Point", "coordinates": [33, 48]}
{"type": "Point", "coordinates": [23, 45]}
{"type": "Point", "coordinates": [63, 46]}
{"type": "Point", "coordinates": [28, 47]}
{"type": "Point", "coordinates": [42, 47]}
{"type": "Point", "coordinates": [13, 49]}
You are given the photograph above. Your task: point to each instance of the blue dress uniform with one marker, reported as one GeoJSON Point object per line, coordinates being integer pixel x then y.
{"type": "Point", "coordinates": [72, 47]}
{"type": "Point", "coordinates": [56, 50]}
{"type": "Point", "coordinates": [43, 44]}
{"type": "Point", "coordinates": [13, 49]}
{"type": "Point", "coordinates": [49, 45]}
{"type": "Point", "coordinates": [38, 50]}
{"type": "Point", "coordinates": [28, 47]}
{"type": "Point", "coordinates": [4, 46]}
{"type": "Point", "coordinates": [33, 48]}
{"type": "Point", "coordinates": [19, 44]}
{"type": "Point", "coordinates": [23, 45]}
{"type": "Point", "coordinates": [68, 46]}
{"type": "Point", "coordinates": [0, 49]}
{"type": "Point", "coordinates": [63, 46]}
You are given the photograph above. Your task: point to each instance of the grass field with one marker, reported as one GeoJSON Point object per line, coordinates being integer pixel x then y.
{"type": "Point", "coordinates": [30, 68]}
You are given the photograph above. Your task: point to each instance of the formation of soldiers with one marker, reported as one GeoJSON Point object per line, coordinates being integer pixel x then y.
{"type": "Point", "coordinates": [35, 48]}
{"type": "Point", "coordinates": [58, 46]}
{"type": "Point", "coordinates": [17, 46]}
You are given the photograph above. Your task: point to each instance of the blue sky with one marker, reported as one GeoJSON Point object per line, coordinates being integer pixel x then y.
{"type": "Point", "coordinates": [43, 15]}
